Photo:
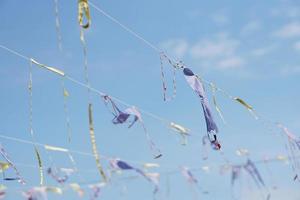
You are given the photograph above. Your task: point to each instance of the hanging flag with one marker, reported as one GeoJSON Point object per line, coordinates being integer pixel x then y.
{"type": "Point", "coordinates": [52, 69]}
{"type": "Point", "coordinates": [76, 187]}
{"type": "Point", "coordinates": [184, 132]}
{"type": "Point", "coordinates": [121, 117]}
{"type": "Point", "coordinates": [247, 106]}
{"type": "Point", "coordinates": [118, 164]}
{"type": "Point", "coordinates": [96, 190]}
{"type": "Point", "coordinates": [211, 126]}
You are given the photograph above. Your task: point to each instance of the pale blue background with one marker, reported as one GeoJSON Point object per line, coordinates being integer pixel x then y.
{"type": "Point", "coordinates": [253, 54]}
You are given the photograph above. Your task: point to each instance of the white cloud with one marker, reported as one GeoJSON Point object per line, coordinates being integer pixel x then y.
{"type": "Point", "coordinates": [297, 46]}
{"type": "Point", "coordinates": [212, 48]}
{"type": "Point", "coordinates": [231, 62]}
{"type": "Point", "coordinates": [289, 30]}
{"type": "Point", "coordinates": [262, 51]}
{"type": "Point", "coordinates": [251, 27]}
{"type": "Point", "coordinates": [290, 70]}
{"type": "Point", "coordinates": [220, 19]}
{"type": "Point", "coordinates": [218, 51]}
{"type": "Point", "coordinates": [176, 47]}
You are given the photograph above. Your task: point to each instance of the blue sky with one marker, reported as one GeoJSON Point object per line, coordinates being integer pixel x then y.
{"type": "Point", "coordinates": [249, 48]}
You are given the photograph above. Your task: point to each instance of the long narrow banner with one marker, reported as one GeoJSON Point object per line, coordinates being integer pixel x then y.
{"type": "Point", "coordinates": [211, 126]}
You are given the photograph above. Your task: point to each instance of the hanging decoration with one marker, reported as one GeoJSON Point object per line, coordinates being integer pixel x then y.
{"type": "Point", "coordinates": [121, 117]}
{"type": "Point", "coordinates": [211, 126]}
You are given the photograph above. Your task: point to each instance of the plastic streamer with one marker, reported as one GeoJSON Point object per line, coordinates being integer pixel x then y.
{"type": "Point", "coordinates": [4, 166]}
{"type": "Point", "coordinates": [52, 69]}
{"type": "Point", "coordinates": [293, 148]}
{"type": "Point", "coordinates": [38, 157]}
{"type": "Point", "coordinates": [96, 189]}
{"type": "Point", "coordinates": [121, 117]}
{"type": "Point", "coordinates": [118, 164]}
{"type": "Point", "coordinates": [57, 25]}
{"type": "Point", "coordinates": [211, 126]}
{"type": "Point", "coordinates": [192, 180]}
{"type": "Point", "coordinates": [94, 145]}
{"type": "Point", "coordinates": [247, 106]}
{"type": "Point", "coordinates": [10, 164]}
{"type": "Point", "coordinates": [214, 89]}
{"type": "Point", "coordinates": [60, 179]}
{"type": "Point", "coordinates": [184, 132]}
{"type": "Point", "coordinates": [2, 191]}
{"type": "Point", "coordinates": [36, 193]}
{"type": "Point", "coordinates": [84, 11]}
{"type": "Point", "coordinates": [251, 169]}
{"type": "Point", "coordinates": [76, 187]}
{"type": "Point", "coordinates": [163, 57]}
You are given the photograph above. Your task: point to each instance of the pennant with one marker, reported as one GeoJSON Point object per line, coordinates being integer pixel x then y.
{"type": "Point", "coordinates": [94, 145]}
{"type": "Point", "coordinates": [96, 189]}
{"type": "Point", "coordinates": [181, 130]}
{"type": "Point", "coordinates": [52, 69]}
{"type": "Point", "coordinates": [118, 164]}
{"type": "Point", "coordinates": [84, 12]}
{"type": "Point", "coordinates": [198, 88]}
{"type": "Point", "coordinates": [121, 117]}
{"type": "Point", "coordinates": [253, 172]}
{"type": "Point", "coordinates": [76, 187]}
{"type": "Point", "coordinates": [247, 106]}
{"type": "Point", "coordinates": [187, 174]}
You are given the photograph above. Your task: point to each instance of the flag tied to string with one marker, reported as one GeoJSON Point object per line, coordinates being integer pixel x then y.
{"type": "Point", "coordinates": [118, 164]}
{"type": "Point", "coordinates": [198, 88]}
{"type": "Point", "coordinates": [121, 117]}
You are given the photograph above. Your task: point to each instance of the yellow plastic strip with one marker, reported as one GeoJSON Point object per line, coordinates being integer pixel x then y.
{"type": "Point", "coordinates": [150, 165]}
{"type": "Point", "coordinates": [94, 145]}
{"type": "Point", "coordinates": [52, 69]}
{"type": "Point", "coordinates": [246, 105]}
{"type": "Point", "coordinates": [55, 190]}
{"type": "Point", "coordinates": [4, 166]}
{"type": "Point", "coordinates": [76, 187]}
{"type": "Point", "coordinates": [84, 11]}
{"type": "Point", "coordinates": [40, 165]}
{"type": "Point", "coordinates": [53, 148]}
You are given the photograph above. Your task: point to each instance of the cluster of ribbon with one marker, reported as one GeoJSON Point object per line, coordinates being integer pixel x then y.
{"type": "Point", "coordinates": [132, 115]}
